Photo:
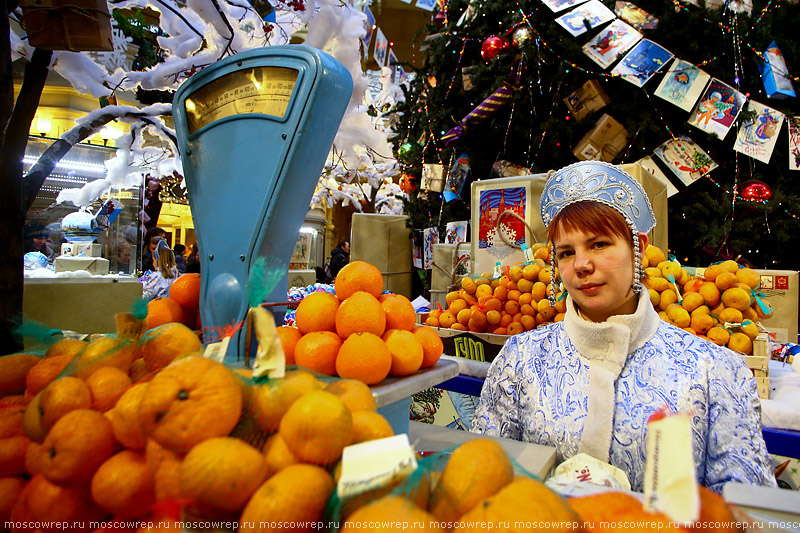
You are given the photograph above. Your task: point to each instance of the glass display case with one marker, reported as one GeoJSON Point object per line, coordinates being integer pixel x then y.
{"type": "Point", "coordinates": [83, 164]}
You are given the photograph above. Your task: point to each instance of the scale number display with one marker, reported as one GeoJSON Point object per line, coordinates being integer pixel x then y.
{"type": "Point", "coordinates": [262, 90]}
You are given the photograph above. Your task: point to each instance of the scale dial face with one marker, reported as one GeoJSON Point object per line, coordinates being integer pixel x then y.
{"type": "Point", "coordinates": [262, 90]}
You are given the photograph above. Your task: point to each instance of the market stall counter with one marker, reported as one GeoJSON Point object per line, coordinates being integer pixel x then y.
{"type": "Point", "coordinates": [393, 395]}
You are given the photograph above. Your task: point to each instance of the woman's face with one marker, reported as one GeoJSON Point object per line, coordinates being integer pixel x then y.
{"type": "Point", "coordinates": [597, 271]}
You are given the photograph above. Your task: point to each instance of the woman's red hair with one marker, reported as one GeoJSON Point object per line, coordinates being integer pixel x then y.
{"type": "Point", "coordinates": [590, 217]}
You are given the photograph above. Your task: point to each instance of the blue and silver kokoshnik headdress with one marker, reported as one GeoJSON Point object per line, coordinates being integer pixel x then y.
{"type": "Point", "coordinates": [597, 181]}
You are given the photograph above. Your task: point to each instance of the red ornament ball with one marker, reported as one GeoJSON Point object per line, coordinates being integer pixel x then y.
{"type": "Point", "coordinates": [756, 191]}
{"type": "Point", "coordinates": [492, 47]}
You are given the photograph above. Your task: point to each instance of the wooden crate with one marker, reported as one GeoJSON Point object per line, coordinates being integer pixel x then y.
{"type": "Point", "coordinates": [74, 25]}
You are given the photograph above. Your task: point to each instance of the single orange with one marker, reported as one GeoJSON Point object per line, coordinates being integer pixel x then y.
{"type": "Point", "coordinates": [162, 311]}
{"type": "Point", "coordinates": [186, 291]}
{"type": "Point", "coordinates": [358, 276]}
{"type": "Point", "coordinates": [10, 491]}
{"type": "Point", "coordinates": [317, 350]}
{"type": "Point", "coordinates": [317, 312]}
{"type": "Point", "coordinates": [44, 372]}
{"type": "Point", "coordinates": [123, 485]}
{"type": "Point", "coordinates": [65, 347]}
{"type": "Point", "coordinates": [12, 455]}
{"type": "Point", "coordinates": [432, 346]}
{"type": "Point", "coordinates": [364, 356]}
{"type": "Point", "coordinates": [125, 421]}
{"type": "Point", "coordinates": [406, 352]}
{"type": "Point", "coordinates": [107, 385]}
{"type": "Point", "coordinates": [222, 473]}
{"type": "Point", "coordinates": [360, 313]}
{"type": "Point", "coordinates": [356, 395]}
{"type": "Point", "coordinates": [270, 400]}
{"type": "Point", "coordinates": [368, 425]}
{"type": "Point", "coordinates": [317, 427]}
{"type": "Point", "coordinates": [400, 313]}
{"type": "Point", "coordinates": [62, 396]}
{"type": "Point", "coordinates": [289, 337]}
{"type": "Point", "coordinates": [277, 454]}
{"type": "Point", "coordinates": [167, 342]}
{"type": "Point", "coordinates": [76, 446]}
{"type": "Point", "coordinates": [13, 371]}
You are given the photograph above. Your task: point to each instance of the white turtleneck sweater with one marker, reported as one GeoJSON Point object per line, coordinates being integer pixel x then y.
{"type": "Point", "coordinates": [590, 387]}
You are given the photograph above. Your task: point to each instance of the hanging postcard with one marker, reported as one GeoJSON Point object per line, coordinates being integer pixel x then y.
{"type": "Point", "coordinates": [635, 16]}
{"type": "Point", "coordinates": [594, 13]}
{"type": "Point", "coordinates": [427, 5]}
{"type": "Point", "coordinates": [717, 109]}
{"type": "Point", "coordinates": [616, 39]}
{"type": "Point", "coordinates": [369, 26]}
{"type": "Point", "coordinates": [456, 232]}
{"type": "Point", "coordinates": [644, 60]}
{"type": "Point", "coordinates": [381, 46]}
{"type": "Point", "coordinates": [560, 5]}
{"type": "Point", "coordinates": [430, 236]}
{"type": "Point", "coordinates": [794, 143]}
{"type": "Point", "coordinates": [685, 159]}
{"type": "Point", "coordinates": [682, 84]}
{"type": "Point", "coordinates": [758, 134]}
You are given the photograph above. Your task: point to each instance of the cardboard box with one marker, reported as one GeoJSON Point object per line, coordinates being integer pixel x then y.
{"type": "Point", "coordinates": [487, 249]}
{"type": "Point", "coordinates": [90, 249]}
{"type": "Point", "coordinates": [302, 278]}
{"type": "Point", "coordinates": [450, 264]}
{"type": "Point", "coordinates": [75, 25]}
{"type": "Point", "coordinates": [587, 99]}
{"type": "Point", "coordinates": [604, 142]}
{"type": "Point", "coordinates": [384, 241]}
{"type": "Point", "coordinates": [94, 265]}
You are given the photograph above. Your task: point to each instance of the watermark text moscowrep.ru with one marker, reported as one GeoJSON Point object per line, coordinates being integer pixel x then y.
{"type": "Point", "coordinates": [397, 525]}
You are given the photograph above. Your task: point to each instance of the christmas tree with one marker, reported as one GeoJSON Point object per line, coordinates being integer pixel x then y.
{"type": "Point", "coordinates": [496, 74]}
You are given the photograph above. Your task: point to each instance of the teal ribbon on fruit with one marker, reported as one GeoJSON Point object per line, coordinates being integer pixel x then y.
{"type": "Point", "coordinates": [765, 308]}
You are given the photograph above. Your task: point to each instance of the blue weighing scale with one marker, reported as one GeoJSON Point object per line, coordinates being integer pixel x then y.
{"type": "Point", "coordinates": [253, 132]}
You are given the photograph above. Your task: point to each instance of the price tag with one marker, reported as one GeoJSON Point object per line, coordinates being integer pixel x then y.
{"type": "Point", "coordinates": [270, 359]}
{"type": "Point", "coordinates": [498, 271]}
{"type": "Point", "coordinates": [217, 350]}
{"type": "Point", "coordinates": [376, 463]}
{"type": "Point", "coordinates": [128, 326]}
{"type": "Point", "coordinates": [670, 486]}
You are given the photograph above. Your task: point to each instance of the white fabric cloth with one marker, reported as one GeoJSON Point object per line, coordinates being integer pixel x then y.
{"type": "Point", "coordinates": [591, 387]}
{"type": "Point", "coordinates": [782, 410]}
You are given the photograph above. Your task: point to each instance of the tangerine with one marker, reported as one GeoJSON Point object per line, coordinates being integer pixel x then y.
{"type": "Point", "coordinates": [400, 313]}
{"type": "Point", "coordinates": [222, 473]}
{"type": "Point", "coordinates": [123, 485]}
{"type": "Point", "coordinates": [167, 342]}
{"type": "Point", "coordinates": [317, 350]}
{"type": "Point", "coordinates": [364, 356]}
{"type": "Point", "coordinates": [317, 427]}
{"type": "Point", "coordinates": [360, 313]}
{"type": "Point", "coordinates": [406, 352]}
{"type": "Point", "coordinates": [358, 276]}
{"type": "Point", "coordinates": [186, 291]}
{"type": "Point", "coordinates": [432, 346]}
{"type": "Point", "coordinates": [107, 385]}
{"type": "Point", "coordinates": [355, 394]}
{"type": "Point", "coordinates": [162, 311]}
{"type": "Point", "coordinates": [317, 312]}
{"type": "Point", "coordinates": [289, 337]}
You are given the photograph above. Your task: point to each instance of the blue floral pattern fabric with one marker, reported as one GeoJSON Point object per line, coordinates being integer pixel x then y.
{"type": "Point", "coordinates": [536, 391]}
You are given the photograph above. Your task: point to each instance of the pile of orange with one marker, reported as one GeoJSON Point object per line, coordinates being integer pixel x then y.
{"type": "Point", "coordinates": [359, 333]}
{"type": "Point", "coordinates": [478, 490]}
{"type": "Point", "coordinates": [720, 305]}
{"type": "Point", "coordinates": [181, 305]}
{"type": "Point", "coordinates": [123, 428]}
{"type": "Point", "coordinates": [508, 305]}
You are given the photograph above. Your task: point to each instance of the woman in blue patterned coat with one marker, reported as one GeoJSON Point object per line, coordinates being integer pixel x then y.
{"type": "Point", "coordinates": [590, 382]}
